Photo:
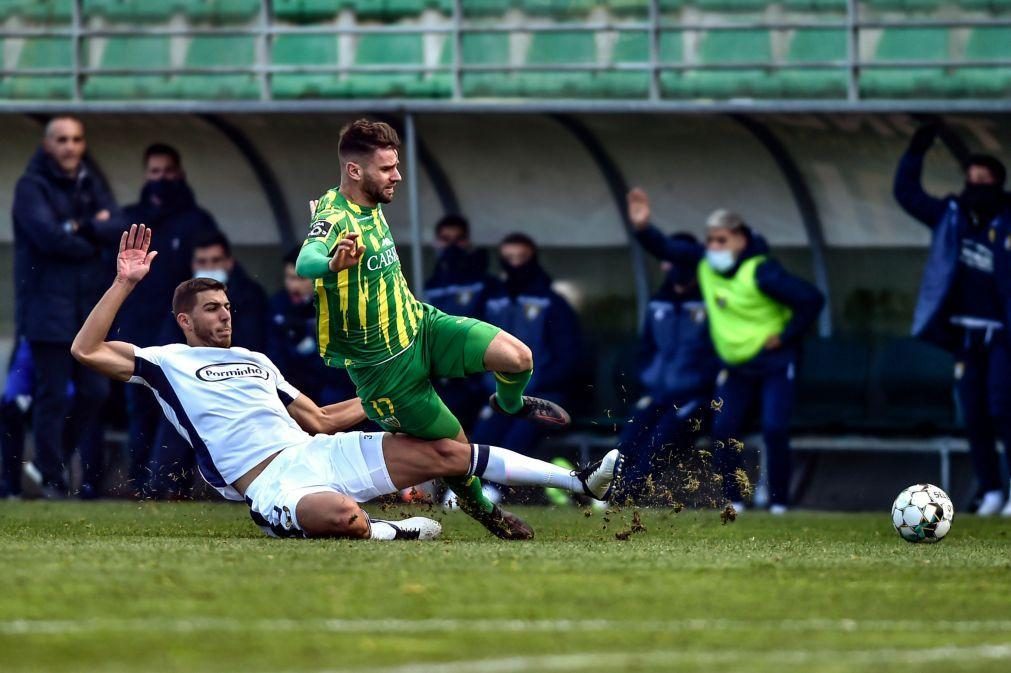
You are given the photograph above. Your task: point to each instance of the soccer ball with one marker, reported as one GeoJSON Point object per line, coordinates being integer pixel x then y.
{"type": "Point", "coordinates": [922, 513]}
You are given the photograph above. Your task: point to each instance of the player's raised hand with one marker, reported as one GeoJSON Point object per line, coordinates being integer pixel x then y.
{"type": "Point", "coordinates": [135, 257]}
{"type": "Point", "coordinates": [346, 254]}
{"type": "Point", "coordinates": [638, 208]}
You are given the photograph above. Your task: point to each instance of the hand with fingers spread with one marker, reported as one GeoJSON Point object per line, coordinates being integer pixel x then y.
{"type": "Point", "coordinates": [134, 259]}
{"type": "Point", "coordinates": [346, 254]}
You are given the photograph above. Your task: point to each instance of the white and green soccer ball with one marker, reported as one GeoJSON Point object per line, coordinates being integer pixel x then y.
{"type": "Point", "coordinates": [922, 513]}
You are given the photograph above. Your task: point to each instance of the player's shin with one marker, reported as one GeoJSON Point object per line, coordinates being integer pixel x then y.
{"type": "Point", "coordinates": [514, 469]}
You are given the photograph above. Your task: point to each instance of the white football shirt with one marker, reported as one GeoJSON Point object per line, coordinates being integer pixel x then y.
{"type": "Point", "coordinates": [227, 403]}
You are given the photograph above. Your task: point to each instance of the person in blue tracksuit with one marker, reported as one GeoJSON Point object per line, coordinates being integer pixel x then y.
{"type": "Point", "coordinates": [292, 343]}
{"type": "Point", "coordinates": [63, 215]}
{"type": "Point", "coordinates": [169, 208]}
{"type": "Point", "coordinates": [964, 304]}
{"type": "Point", "coordinates": [524, 304]}
{"type": "Point", "coordinates": [677, 376]}
{"type": "Point", "coordinates": [458, 286]}
{"type": "Point", "coordinates": [757, 314]}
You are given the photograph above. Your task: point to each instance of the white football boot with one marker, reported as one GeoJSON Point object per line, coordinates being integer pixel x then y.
{"type": "Point", "coordinates": [598, 478]}
{"type": "Point", "coordinates": [415, 528]}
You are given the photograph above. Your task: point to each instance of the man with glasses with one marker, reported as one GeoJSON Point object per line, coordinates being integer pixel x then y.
{"type": "Point", "coordinates": [757, 314]}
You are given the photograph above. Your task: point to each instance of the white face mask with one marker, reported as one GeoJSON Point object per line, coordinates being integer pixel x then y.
{"type": "Point", "coordinates": [220, 275]}
{"type": "Point", "coordinates": [721, 260]}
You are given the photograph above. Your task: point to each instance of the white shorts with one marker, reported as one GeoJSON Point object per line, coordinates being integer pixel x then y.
{"type": "Point", "coordinates": [350, 463]}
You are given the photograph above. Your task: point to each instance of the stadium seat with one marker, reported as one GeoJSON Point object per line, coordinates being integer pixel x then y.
{"type": "Point", "coordinates": [47, 11]}
{"type": "Point", "coordinates": [987, 44]}
{"type": "Point", "coordinates": [135, 53]}
{"type": "Point", "coordinates": [922, 44]}
{"type": "Point", "coordinates": [306, 50]}
{"type": "Point", "coordinates": [307, 11]}
{"type": "Point", "coordinates": [733, 5]}
{"type": "Point", "coordinates": [832, 383]}
{"type": "Point", "coordinates": [389, 50]}
{"type": "Point", "coordinates": [221, 11]}
{"type": "Point", "coordinates": [562, 9]}
{"type": "Point", "coordinates": [219, 51]}
{"type": "Point", "coordinates": [811, 45]}
{"type": "Point", "coordinates": [43, 52]}
{"type": "Point", "coordinates": [727, 47]}
{"type": "Point", "coordinates": [486, 49]}
{"type": "Point", "coordinates": [559, 48]}
{"type": "Point", "coordinates": [633, 47]}
{"type": "Point", "coordinates": [387, 10]}
{"type": "Point", "coordinates": [472, 8]}
{"type": "Point", "coordinates": [911, 387]}
{"type": "Point", "coordinates": [130, 11]}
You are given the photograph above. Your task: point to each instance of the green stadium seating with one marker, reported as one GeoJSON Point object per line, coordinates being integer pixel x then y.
{"type": "Point", "coordinates": [473, 8]}
{"type": "Point", "coordinates": [910, 387]}
{"type": "Point", "coordinates": [557, 8]}
{"type": "Point", "coordinates": [219, 51]}
{"type": "Point", "coordinates": [389, 10]}
{"type": "Point", "coordinates": [47, 11]}
{"type": "Point", "coordinates": [307, 11]}
{"type": "Point", "coordinates": [925, 44]}
{"type": "Point", "coordinates": [43, 52]}
{"type": "Point", "coordinates": [634, 48]}
{"type": "Point", "coordinates": [130, 11]}
{"type": "Point", "coordinates": [732, 5]}
{"type": "Point", "coordinates": [987, 44]}
{"type": "Point", "coordinates": [486, 49]}
{"type": "Point", "coordinates": [811, 45]}
{"type": "Point", "coordinates": [833, 383]}
{"type": "Point", "coordinates": [733, 46]}
{"type": "Point", "coordinates": [306, 50]}
{"type": "Point", "coordinates": [135, 53]}
{"type": "Point", "coordinates": [389, 50]}
{"type": "Point", "coordinates": [221, 11]}
{"type": "Point", "coordinates": [559, 48]}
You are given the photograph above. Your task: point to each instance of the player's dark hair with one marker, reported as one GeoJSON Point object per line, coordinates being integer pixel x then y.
{"type": "Point", "coordinates": [518, 238]}
{"type": "Point", "coordinates": [185, 296]}
{"type": "Point", "coordinates": [364, 136]}
{"type": "Point", "coordinates": [453, 221]}
{"type": "Point", "coordinates": [990, 163]}
{"type": "Point", "coordinates": [211, 238]}
{"type": "Point", "coordinates": [163, 150]}
{"type": "Point", "coordinates": [291, 257]}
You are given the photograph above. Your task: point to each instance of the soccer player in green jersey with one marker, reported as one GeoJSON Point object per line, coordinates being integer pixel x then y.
{"type": "Point", "coordinates": [390, 343]}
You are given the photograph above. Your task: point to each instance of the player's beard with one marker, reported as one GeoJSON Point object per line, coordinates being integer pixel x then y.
{"type": "Point", "coordinates": [375, 192]}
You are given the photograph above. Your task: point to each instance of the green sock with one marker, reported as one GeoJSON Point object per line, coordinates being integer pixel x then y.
{"type": "Point", "coordinates": [509, 389]}
{"type": "Point", "coordinates": [557, 496]}
{"type": "Point", "coordinates": [469, 495]}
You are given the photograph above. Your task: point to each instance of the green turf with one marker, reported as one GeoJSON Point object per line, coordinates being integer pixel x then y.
{"type": "Point", "coordinates": [194, 587]}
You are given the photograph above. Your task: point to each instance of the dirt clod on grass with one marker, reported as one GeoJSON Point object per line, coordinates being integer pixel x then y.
{"type": "Point", "coordinates": [635, 527]}
{"type": "Point", "coordinates": [728, 515]}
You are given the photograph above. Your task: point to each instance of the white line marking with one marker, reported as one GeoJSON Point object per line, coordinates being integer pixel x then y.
{"type": "Point", "coordinates": [235, 625]}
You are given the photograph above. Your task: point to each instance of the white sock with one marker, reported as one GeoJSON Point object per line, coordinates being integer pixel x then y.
{"type": "Point", "coordinates": [514, 469]}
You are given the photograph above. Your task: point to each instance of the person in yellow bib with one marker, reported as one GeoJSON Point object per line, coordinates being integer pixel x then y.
{"type": "Point", "coordinates": [758, 313]}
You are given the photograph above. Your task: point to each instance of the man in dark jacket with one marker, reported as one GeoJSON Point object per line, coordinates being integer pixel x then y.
{"type": "Point", "coordinates": [292, 343]}
{"type": "Point", "coordinates": [167, 206]}
{"type": "Point", "coordinates": [678, 371]}
{"type": "Point", "coordinates": [757, 315]}
{"type": "Point", "coordinates": [458, 286]}
{"type": "Point", "coordinates": [63, 212]}
{"type": "Point", "coordinates": [964, 304]}
{"type": "Point", "coordinates": [525, 305]}
{"type": "Point", "coordinates": [171, 463]}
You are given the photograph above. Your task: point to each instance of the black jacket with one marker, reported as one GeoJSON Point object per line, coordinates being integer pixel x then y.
{"type": "Point", "coordinates": [59, 274]}
{"type": "Point", "coordinates": [460, 282]}
{"type": "Point", "coordinates": [174, 227]}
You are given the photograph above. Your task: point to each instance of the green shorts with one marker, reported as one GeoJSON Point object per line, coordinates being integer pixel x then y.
{"type": "Point", "coordinates": [398, 394]}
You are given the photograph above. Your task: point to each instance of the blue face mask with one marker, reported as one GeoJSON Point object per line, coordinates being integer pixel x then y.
{"type": "Point", "coordinates": [721, 260]}
{"type": "Point", "coordinates": [220, 275]}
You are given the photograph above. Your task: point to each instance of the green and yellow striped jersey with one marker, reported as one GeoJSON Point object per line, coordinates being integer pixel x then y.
{"type": "Point", "coordinates": [365, 315]}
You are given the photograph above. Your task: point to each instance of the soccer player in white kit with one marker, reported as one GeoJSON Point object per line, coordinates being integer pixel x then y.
{"type": "Point", "coordinates": [256, 438]}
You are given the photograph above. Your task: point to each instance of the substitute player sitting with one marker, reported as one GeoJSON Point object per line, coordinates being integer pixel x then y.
{"type": "Point", "coordinates": [257, 438]}
{"type": "Point", "coordinates": [391, 344]}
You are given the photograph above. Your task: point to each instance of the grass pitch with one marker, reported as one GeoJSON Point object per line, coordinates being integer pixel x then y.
{"type": "Point", "coordinates": [195, 587]}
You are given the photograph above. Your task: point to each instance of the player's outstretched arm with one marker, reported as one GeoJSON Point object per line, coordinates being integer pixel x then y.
{"type": "Point", "coordinates": [326, 420]}
{"type": "Point", "coordinates": [115, 359]}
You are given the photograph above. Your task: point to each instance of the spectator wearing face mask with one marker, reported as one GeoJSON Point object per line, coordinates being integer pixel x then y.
{"type": "Point", "coordinates": [292, 343]}
{"type": "Point", "coordinates": [458, 286]}
{"type": "Point", "coordinates": [168, 207]}
{"type": "Point", "coordinates": [524, 305]}
{"type": "Point", "coordinates": [170, 467]}
{"type": "Point", "coordinates": [757, 314]}
{"type": "Point", "coordinates": [964, 305]}
{"type": "Point", "coordinates": [678, 371]}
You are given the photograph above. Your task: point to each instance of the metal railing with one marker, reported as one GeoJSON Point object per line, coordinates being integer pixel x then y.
{"type": "Point", "coordinates": [265, 28]}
